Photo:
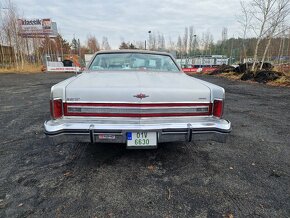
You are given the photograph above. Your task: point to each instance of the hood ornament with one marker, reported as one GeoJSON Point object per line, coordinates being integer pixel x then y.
{"type": "Point", "coordinates": [141, 96]}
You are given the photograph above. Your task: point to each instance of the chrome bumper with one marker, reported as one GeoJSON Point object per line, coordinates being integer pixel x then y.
{"type": "Point", "coordinates": [170, 130]}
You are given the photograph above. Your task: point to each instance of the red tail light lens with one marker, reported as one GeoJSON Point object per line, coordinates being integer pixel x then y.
{"type": "Point", "coordinates": [56, 108]}
{"type": "Point", "coordinates": [218, 108]}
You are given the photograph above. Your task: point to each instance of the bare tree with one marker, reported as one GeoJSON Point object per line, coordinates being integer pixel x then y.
{"type": "Point", "coordinates": [92, 44]}
{"type": "Point", "coordinates": [161, 42]}
{"type": "Point", "coordinates": [139, 44]}
{"type": "Point", "coordinates": [11, 31]}
{"type": "Point", "coordinates": [207, 41]}
{"type": "Point", "coordinates": [245, 21]}
{"type": "Point", "coordinates": [224, 34]}
{"type": "Point", "coordinates": [179, 45]}
{"type": "Point", "coordinates": [261, 11]}
{"type": "Point", "coordinates": [105, 44]}
{"type": "Point", "coordinates": [279, 15]}
{"type": "Point", "coordinates": [191, 40]}
{"type": "Point", "coordinates": [185, 41]}
{"type": "Point", "coordinates": [152, 44]}
{"type": "Point", "coordinates": [171, 45]}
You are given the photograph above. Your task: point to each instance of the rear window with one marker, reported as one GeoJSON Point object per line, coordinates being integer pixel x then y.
{"type": "Point", "coordinates": [133, 61]}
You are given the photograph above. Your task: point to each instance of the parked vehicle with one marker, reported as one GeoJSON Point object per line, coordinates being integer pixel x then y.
{"type": "Point", "coordinates": [141, 98]}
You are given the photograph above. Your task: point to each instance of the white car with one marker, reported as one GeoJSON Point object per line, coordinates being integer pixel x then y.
{"type": "Point", "coordinates": [136, 97]}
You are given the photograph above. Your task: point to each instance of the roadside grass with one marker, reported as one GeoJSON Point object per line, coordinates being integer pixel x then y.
{"type": "Point", "coordinates": [282, 81]}
{"type": "Point", "coordinates": [231, 75]}
{"type": "Point", "coordinates": [26, 69]}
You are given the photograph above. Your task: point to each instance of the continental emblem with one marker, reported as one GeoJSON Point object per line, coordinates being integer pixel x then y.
{"type": "Point", "coordinates": [73, 99]}
{"type": "Point", "coordinates": [141, 96]}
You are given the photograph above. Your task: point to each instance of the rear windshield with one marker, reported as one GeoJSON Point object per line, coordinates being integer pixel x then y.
{"type": "Point", "coordinates": [133, 61]}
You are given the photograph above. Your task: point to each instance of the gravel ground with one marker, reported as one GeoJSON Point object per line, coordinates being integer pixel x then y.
{"type": "Point", "coordinates": [248, 176]}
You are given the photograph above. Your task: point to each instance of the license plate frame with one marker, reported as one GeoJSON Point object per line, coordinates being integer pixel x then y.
{"type": "Point", "coordinates": [141, 139]}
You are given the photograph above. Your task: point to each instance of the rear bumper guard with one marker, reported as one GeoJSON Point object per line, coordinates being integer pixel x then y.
{"type": "Point", "coordinates": [214, 130]}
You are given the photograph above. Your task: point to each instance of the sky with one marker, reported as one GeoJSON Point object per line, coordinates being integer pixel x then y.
{"type": "Point", "coordinates": [130, 20]}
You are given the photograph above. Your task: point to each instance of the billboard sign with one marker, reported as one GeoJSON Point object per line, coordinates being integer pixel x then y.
{"type": "Point", "coordinates": [36, 27]}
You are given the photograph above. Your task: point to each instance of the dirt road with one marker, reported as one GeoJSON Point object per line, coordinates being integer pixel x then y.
{"type": "Point", "coordinates": [248, 176]}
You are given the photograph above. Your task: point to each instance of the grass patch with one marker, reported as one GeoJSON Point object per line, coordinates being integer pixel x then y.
{"type": "Point", "coordinates": [282, 81]}
{"type": "Point", "coordinates": [27, 68]}
{"type": "Point", "coordinates": [230, 75]}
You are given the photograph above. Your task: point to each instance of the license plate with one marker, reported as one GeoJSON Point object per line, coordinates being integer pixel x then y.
{"type": "Point", "coordinates": [141, 139]}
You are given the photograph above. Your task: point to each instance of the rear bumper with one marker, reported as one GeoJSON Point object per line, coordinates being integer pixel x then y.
{"type": "Point", "coordinates": [102, 131]}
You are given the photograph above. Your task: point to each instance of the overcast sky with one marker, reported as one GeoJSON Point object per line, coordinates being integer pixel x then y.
{"type": "Point", "coordinates": [130, 20]}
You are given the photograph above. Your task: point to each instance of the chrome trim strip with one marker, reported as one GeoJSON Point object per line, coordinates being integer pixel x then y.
{"type": "Point", "coordinates": [126, 102]}
{"type": "Point", "coordinates": [143, 108]}
{"type": "Point", "coordinates": [137, 110]}
{"type": "Point", "coordinates": [208, 124]}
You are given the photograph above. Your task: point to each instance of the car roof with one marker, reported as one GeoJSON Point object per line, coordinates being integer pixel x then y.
{"type": "Point", "coordinates": [133, 51]}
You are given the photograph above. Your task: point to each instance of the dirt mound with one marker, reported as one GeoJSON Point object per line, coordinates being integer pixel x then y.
{"type": "Point", "coordinates": [223, 69]}
{"type": "Point", "coordinates": [266, 66]}
{"type": "Point", "coordinates": [265, 76]}
{"type": "Point", "coordinates": [262, 76]}
{"type": "Point", "coordinates": [247, 76]}
{"type": "Point", "coordinates": [244, 68]}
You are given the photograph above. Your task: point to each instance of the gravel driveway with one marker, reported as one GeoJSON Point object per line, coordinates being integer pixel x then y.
{"type": "Point", "coordinates": [249, 176]}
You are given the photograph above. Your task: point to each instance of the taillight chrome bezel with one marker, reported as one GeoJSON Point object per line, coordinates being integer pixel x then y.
{"type": "Point", "coordinates": [53, 114]}
{"type": "Point", "coordinates": [219, 113]}
{"type": "Point", "coordinates": [137, 110]}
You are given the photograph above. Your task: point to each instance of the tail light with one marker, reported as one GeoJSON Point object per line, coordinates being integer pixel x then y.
{"type": "Point", "coordinates": [218, 108]}
{"type": "Point", "coordinates": [56, 109]}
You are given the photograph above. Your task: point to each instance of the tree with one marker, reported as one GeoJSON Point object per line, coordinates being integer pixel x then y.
{"type": "Point", "coordinates": [10, 30]}
{"type": "Point", "coordinates": [62, 45]}
{"type": "Point", "coordinates": [132, 46]}
{"type": "Point", "coordinates": [75, 46]}
{"type": "Point", "coordinates": [161, 42]}
{"type": "Point", "coordinates": [267, 15]}
{"type": "Point", "coordinates": [152, 44]}
{"type": "Point", "coordinates": [128, 45]}
{"type": "Point", "coordinates": [140, 44]}
{"type": "Point", "coordinates": [277, 19]}
{"type": "Point", "coordinates": [25, 49]}
{"type": "Point", "coordinates": [179, 46]}
{"type": "Point", "coordinates": [191, 40]}
{"type": "Point", "coordinates": [105, 44]}
{"type": "Point", "coordinates": [261, 12]}
{"type": "Point", "coordinates": [171, 45]}
{"type": "Point", "coordinates": [224, 34]}
{"type": "Point", "coordinates": [47, 46]}
{"type": "Point", "coordinates": [124, 45]}
{"type": "Point", "coordinates": [84, 50]}
{"type": "Point", "coordinates": [185, 41]}
{"type": "Point", "coordinates": [92, 44]}
{"type": "Point", "coordinates": [245, 21]}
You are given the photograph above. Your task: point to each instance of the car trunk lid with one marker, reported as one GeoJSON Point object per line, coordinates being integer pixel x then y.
{"type": "Point", "coordinates": [136, 94]}
{"type": "Point", "coordinates": [136, 87]}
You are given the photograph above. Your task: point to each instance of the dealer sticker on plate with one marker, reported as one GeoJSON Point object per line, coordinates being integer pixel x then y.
{"type": "Point", "coordinates": [141, 139]}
